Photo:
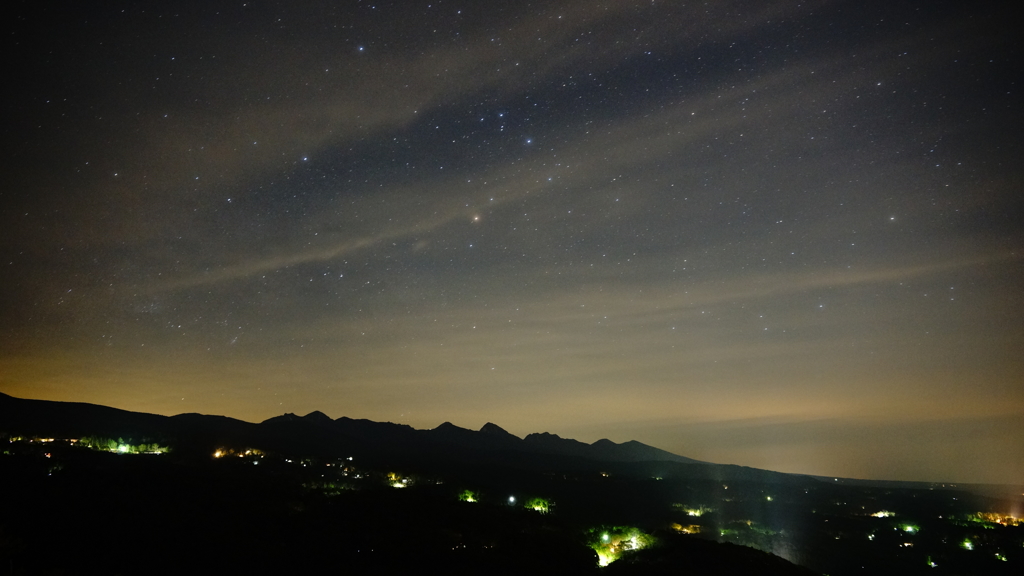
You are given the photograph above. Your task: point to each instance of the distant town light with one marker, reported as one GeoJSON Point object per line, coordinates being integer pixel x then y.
{"type": "Point", "coordinates": [691, 529]}
{"type": "Point", "coordinates": [698, 511]}
{"type": "Point", "coordinates": [612, 544]}
{"type": "Point", "coordinates": [539, 505]}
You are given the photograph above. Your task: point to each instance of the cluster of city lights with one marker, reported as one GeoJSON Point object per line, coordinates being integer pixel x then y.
{"type": "Point", "coordinates": [696, 511]}
{"type": "Point", "coordinates": [691, 529]}
{"type": "Point", "coordinates": [248, 452]}
{"type": "Point", "coordinates": [397, 481]}
{"type": "Point", "coordinates": [612, 543]}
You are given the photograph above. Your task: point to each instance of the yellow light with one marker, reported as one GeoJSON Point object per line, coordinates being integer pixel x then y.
{"type": "Point", "coordinates": [997, 518]}
{"type": "Point", "coordinates": [695, 511]}
{"type": "Point", "coordinates": [691, 529]}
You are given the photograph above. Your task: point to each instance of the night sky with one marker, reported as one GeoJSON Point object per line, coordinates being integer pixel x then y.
{"type": "Point", "coordinates": [779, 234]}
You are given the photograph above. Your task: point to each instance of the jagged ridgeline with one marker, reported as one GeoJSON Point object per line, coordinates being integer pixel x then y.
{"type": "Point", "coordinates": [312, 434]}
{"type": "Point", "coordinates": [380, 443]}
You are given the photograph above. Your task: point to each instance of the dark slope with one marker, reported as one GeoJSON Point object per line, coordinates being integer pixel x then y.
{"type": "Point", "coordinates": [73, 419]}
{"type": "Point", "coordinates": [676, 554]}
{"type": "Point", "coordinates": [604, 450]}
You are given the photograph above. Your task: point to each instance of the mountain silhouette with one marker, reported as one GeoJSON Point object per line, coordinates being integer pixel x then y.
{"type": "Point", "coordinates": [316, 434]}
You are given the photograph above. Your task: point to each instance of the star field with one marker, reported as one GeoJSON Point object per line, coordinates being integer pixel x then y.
{"type": "Point", "coordinates": [772, 234]}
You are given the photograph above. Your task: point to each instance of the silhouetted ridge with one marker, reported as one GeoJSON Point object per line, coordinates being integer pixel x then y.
{"type": "Point", "coordinates": [448, 432]}
{"type": "Point", "coordinates": [633, 451]}
{"type": "Point", "coordinates": [316, 433]}
{"type": "Point", "coordinates": [286, 417]}
{"type": "Point", "coordinates": [462, 443]}
{"type": "Point", "coordinates": [364, 424]}
{"type": "Point", "coordinates": [495, 430]}
{"type": "Point", "coordinates": [554, 444]}
{"type": "Point", "coordinates": [376, 435]}
{"type": "Point", "coordinates": [318, 417]}
{"type": "Point", "coordinates": [73, 419]}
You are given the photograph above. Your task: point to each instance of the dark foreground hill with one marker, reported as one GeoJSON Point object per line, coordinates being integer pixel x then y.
{"type": "Point", "coordinates": [117, 514]}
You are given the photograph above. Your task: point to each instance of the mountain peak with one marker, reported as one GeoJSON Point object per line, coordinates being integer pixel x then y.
{"type": "Point", "coordinates": [315, 417]}
{"type": "Point", "coordinates": [286, 417]}
{"type": "Point", "coordinates": [495, 430]}
{"type": "Point", "coordinates": [318, 417]}
{"type": "Point", "coordinates": [542, 436]}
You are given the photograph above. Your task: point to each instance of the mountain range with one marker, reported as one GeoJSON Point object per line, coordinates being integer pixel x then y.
{"type": "Point", "coordinates": [316, 434]}
{"type": "Point", "coordinates": [479, 501]}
